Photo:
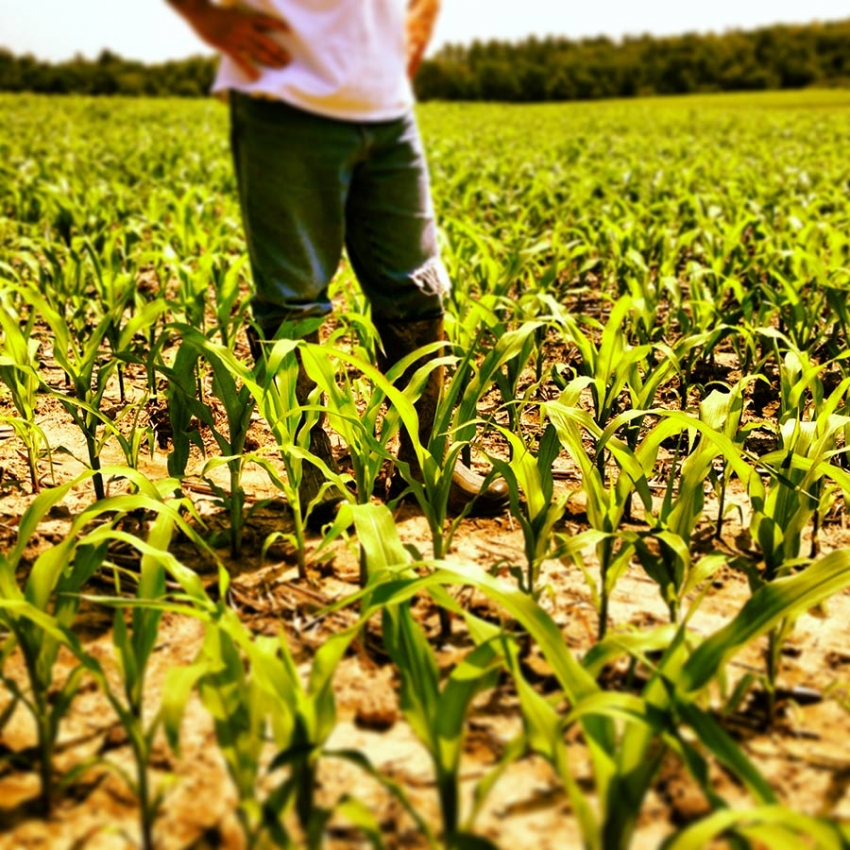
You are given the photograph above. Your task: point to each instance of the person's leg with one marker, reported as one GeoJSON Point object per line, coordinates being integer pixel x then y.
{"type": "Point", "coordinates": [391, 233]}
{"type": "Point", "coordinates": [391, 238]}
{"type": "Point", "coordinates": [293, 171]}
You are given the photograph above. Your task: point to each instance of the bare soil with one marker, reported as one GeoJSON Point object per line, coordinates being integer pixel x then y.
{"type": "Point", "coordinates": [805, 754]}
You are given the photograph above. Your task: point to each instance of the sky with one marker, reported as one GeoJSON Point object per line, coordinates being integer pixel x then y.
{"type": "Point", "coordinates": [151, 31]}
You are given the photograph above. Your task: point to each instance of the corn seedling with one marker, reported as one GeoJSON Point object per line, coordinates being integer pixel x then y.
{"type": "Point", "coordinates": [38, 618]}
{"type": "Point", "coordinates": [437, 715]}
{"type": "Point", "coordinates": [19, 372]}
{"type": "Point", "coordinates": [676, 519]}
{"type": "Point", "coordinates": [254, 692]}
{"type": "Point", "coordinates": [229, 301]}
{"type": "Point", "coordinates": [184, 406]}
{"type": "Point", "coordinates": [531, 475]}
{"type": "Point", "coordinates": [436, 712]}
{"type": "Point", "coordinates": [133, 650]}
{"type": "Point", "coordinates": [88, 374]}
{"type": "Point", "coordinates": [272, 388]}
{"type": "Point", "coordinates": [363, 428]}
{"type": "Point", "coordinates": [797, 471]}
{"type": "Point", "coordinates": [606, 503]}
{"type": "Point", "coordinates": [606, 366]}
{"type": "Point", "coordinates": [116, 294]}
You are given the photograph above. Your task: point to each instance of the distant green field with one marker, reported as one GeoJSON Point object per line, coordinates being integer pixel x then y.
{"type": "Point", "coordinates": [566, 164]}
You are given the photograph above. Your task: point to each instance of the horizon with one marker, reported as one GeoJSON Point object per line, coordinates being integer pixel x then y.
{"type": "Point", "coordinates": [164, 36]}
{"type": "Point", "coordinates": [204, 51]}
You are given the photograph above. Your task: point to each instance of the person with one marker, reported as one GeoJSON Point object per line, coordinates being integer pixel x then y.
{"type": "Point", "coordinates": [328, 156]}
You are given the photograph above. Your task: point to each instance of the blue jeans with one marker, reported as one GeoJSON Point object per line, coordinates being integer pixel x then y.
{"type": "Point", "coordinates": [309, 185]}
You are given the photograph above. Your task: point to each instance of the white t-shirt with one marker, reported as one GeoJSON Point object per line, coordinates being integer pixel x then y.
{"type": "Point", "coordinates": [349, 59]}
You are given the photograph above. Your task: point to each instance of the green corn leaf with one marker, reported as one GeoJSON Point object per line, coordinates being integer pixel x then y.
{"type": "Point", "coordinates": [785, 597]}
{"type": "Point", "coordinates": [361, 816]}
{"type": "Point", "coordinates": [378, 536]}
{"type": "Point", "coordinates": [796, 826]}
{"type": "Point", "coordinates": [615, 645]}
{"type": "Point", "coordinates": [151, 587]}
{"type": "Point", "coordinates": [180, 683]}
{"type": "Point", "coordinates": [544, 732]}
{"type": "Point", "coordinates": [36, 511]}
{"type": "Point", "coordinates": [714, 738]}
{"type": "Point", "coordinates": [45, 573]}
{"type": "Point", "coordinates": [395, 788]}
{"type": "Point", "coordinates": [420, 689]}
{"type": "Point", "coordinates": [21, 608]}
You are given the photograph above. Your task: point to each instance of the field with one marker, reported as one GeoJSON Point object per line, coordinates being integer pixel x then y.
{"type": "Point", "coordinates": [648, 337]}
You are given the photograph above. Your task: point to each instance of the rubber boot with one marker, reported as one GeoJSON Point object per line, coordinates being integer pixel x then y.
{"type": "Point", "coordinates": [400, 339]}
{"type": "Point", "coordinates": [312, 478]}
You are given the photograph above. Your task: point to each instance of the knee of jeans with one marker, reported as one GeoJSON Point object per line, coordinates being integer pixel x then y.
{"type": "Point", "coordinates": [431, 286]}
{"type": "Point", "coordinates": [416, 295]}
{"type": "Point", "coordinates": [432, 278]}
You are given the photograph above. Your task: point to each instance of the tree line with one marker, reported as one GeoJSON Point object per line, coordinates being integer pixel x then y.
{"type": "Point", "coordinates": [777, 57]}
{"type": "Point", "coordinates": [108, 74]}
{"type": "Point", "coordinates": [535, 69]}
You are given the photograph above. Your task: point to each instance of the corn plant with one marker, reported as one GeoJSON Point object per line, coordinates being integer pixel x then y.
{"type": "Point", "coordinates": [238, 708]}
{"type": "Point", "coordinates": [271, 389]}
{"type": "Point", "coordinates": [702, 320]}
{"type": "Point", "coordinates": [255, 694]}
{"type": "Point", "coordinates": [39, 617]}
{"type": "Point", "coordinates": [133, 650]}
{"type": "Point", "coordinates": [606, 502]}
{"type": "Point", "coordinates": [799, 379]}
{"type": "Point", "coordinates": [725, 414]}
{"type": "Point", "coordinates": [467, 326]}
{"type": "Point", "coordinates": [39, 636]}
{"type": "Point", "coordinates": [456, 418]}
{"type": "Point", "coordinates": [770, 610]}
{"type": "Point", "coordinates": [184, 406]}
{"type": "Point", "coordinates": [19, 372]}
{"type": "Point", "coordinates": [797, 471]}
{"type": "Point", "coordinates": [507, 378]}
{"type": "Point", "coordinates": [436, 711]}
{"type": "Point", "coordinates": [88, 373]}
{"type": "Point", "coordinates": [606, 367]}
{"type": "Point", "coordinates": [437, 715]}
{"type": "Point", "coordinates": [531, 475]}
{"type": "Point", "coordinates": [794, 308]}
{"type": "Point", "coordinates": [664, 551]}
{"type": "Point", "coordinates": [432, 491]}
{"type": "Point", "coordinates": [364, 429]}
{"type": "Point", "coordinates": [116, 294]}
{"type": "Point", "coordinates": [675, 520]}
{"type": "Point", "coordinates": [229, 302]}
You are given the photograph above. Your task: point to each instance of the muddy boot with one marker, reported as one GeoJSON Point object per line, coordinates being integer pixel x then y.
{"type": "Point", "coordinates": [312, 478]}
{"type": "Point", "coordinates": [400, 339]}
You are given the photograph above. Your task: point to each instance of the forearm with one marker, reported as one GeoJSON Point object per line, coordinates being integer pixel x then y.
{"type": "Point", "coordinates": [244, 36]}
{"type": "Point", "coordinates": [191, 10]}
{"type": "Point", "coordinates": [421, 18]}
